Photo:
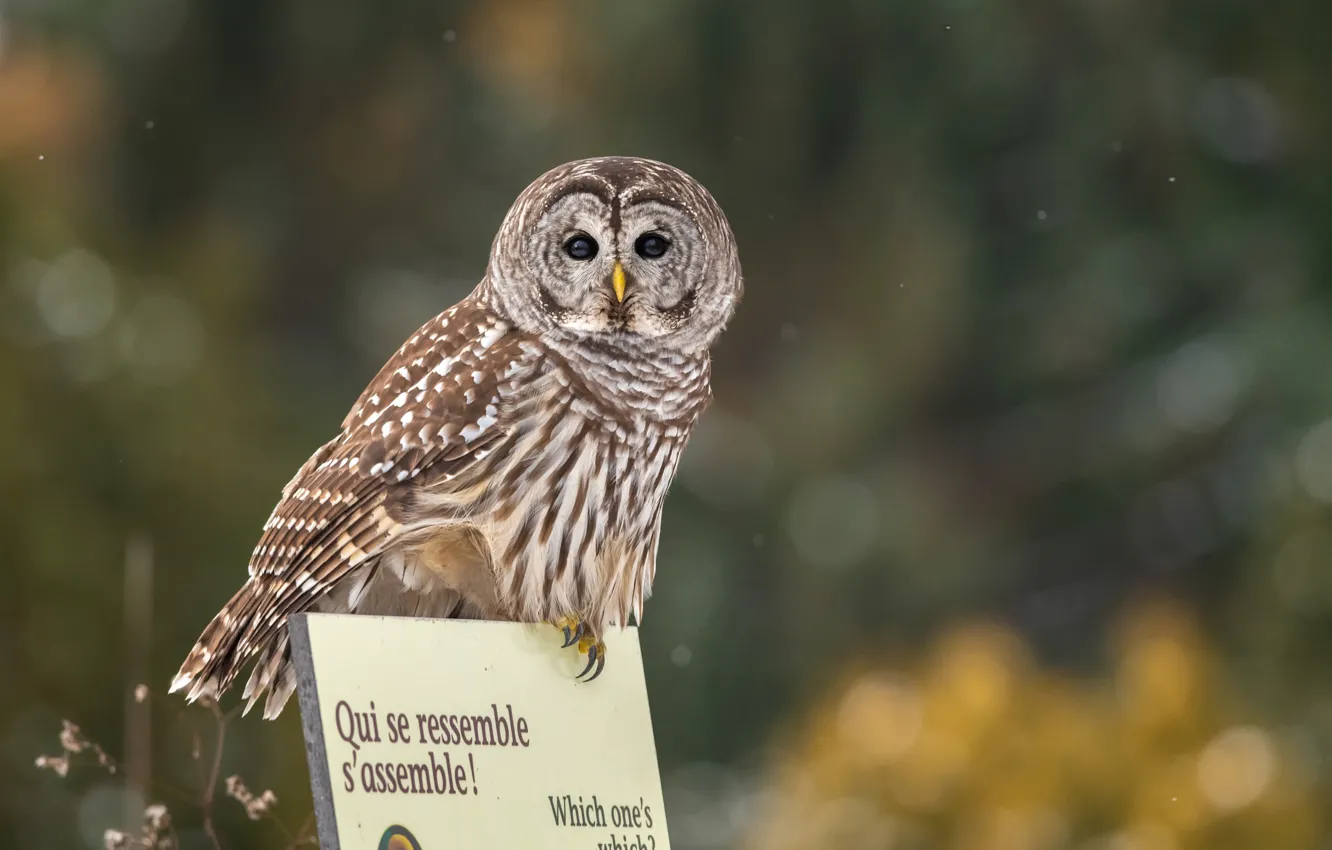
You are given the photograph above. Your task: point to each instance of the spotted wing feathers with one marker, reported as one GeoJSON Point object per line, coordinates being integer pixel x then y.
{"type": "Point", "coordinates": [433, 409]}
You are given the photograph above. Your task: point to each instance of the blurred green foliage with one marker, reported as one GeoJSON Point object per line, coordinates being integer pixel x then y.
{"type": "Point", "coordinates": [1035, 326]}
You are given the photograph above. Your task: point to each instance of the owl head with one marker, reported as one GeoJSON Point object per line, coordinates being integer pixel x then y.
{"type": "Point", "coordinates": [617, 248]}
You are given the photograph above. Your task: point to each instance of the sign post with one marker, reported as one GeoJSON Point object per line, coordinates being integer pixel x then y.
{"type": "Point", "coordinates": [465, 735]}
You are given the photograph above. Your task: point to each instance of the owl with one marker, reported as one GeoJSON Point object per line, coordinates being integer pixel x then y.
{"type": "Point", "coordinates": [510, 461]}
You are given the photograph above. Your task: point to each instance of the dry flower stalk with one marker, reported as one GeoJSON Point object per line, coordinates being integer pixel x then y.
{"type": "Point", "coordinates": [255, 806]}
{"type": "Point", "coordinates": [156, 830]}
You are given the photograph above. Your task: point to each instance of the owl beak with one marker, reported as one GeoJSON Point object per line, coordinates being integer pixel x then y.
{"type": "Point", "coordinates": [617, 281]}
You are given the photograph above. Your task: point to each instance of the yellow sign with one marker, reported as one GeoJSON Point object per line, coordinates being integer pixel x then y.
{"type": "Point", "coordinates": [466, 735]}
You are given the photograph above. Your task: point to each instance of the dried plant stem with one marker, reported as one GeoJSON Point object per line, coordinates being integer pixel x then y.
{"type": "Point", "coordinates": [209, 781]}
{"type": "Point", "coordinates": [157, 828]}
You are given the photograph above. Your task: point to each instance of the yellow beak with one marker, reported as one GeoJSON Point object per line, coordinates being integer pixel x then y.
{"type": "Point", "coordinates": [617, 281]}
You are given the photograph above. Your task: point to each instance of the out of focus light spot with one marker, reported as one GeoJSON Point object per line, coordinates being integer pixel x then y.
{"type": "Point", "coordinates": [1313, 461]}
{"type": "Point", "coordinates": [880, 717]}
{"type": "Point", "coordinates": [759, 540]}
{"type": "Point", "coordinates": [977, 668]}
{"type": "Point", "coordinates": [1158, 675]}
{"type": "Point", "coordinates": [450, 36]}
{"type": "Point", "coordinates": [1236, 767]}
{"type": "Point", "coordinates": [729, 463]}
{"type": "Point", "coordinates": [1199, 386]}
{"type": "Point", "coordinates": [681, 656]}
{"type": "Point", "coordinates": [789, 332]}
{"type": "Point", "coordinates": [162, 339]}
{"type": "Point", "coordinates": [76, 295]}
{"type": "Point", "coordinates": [1238, 120]}
{"type": "Point", "coordinates": [1303, 581]}
{"type": "Point", "coordinates": [833, 521]}
{"type": "Point", "coordinates": [1154, 678]}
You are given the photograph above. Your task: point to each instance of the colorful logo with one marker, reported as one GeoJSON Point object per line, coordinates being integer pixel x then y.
{"type": "Point", "coordinates": [398, 838]}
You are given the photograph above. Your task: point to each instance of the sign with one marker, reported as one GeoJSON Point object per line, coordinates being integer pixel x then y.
{"type": "Point", "coordinates": [467, 735]}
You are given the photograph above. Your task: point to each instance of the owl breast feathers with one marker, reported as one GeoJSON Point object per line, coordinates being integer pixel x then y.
{"type": "Point", "coordinates": [512, 458]}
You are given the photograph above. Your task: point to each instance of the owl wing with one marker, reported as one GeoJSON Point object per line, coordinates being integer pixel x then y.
{"type": "Point", "coordinates": [430, 412]}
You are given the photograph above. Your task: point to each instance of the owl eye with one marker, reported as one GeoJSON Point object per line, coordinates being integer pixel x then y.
{"type": "Point", "coordinates": [581, 247]}
{"type": "Point", "coordinates": [651, 246]}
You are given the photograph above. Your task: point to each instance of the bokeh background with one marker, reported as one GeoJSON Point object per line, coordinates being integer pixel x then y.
{"type": "Point", "coordinates": [1009, 528]}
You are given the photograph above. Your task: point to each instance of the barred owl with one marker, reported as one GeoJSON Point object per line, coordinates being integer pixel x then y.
{"type": "Point", "coordinates": [511, 459]}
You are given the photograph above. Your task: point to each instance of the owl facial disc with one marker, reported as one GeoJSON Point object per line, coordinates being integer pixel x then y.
{"type": "Point", "coordinates": [615, 249]}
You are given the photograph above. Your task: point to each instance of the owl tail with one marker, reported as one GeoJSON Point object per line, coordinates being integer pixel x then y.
{"type": "Point", "coordinates": [220, 654]}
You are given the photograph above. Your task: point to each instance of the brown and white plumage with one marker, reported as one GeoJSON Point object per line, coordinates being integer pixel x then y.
{"type": "Point", "coordinates": [511, 460]}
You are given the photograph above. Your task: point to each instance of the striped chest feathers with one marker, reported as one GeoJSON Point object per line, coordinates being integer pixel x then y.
{"type": "Point", "coordinates": [575, 528]}
{"type": "Point", "coordinates": [570, 507]}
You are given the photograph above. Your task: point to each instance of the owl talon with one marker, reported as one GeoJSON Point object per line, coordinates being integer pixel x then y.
{"type": "Point", "coordinates": [573, 629]}
{"type": "Point", "coordinates": [596, 656]}
{"type": "Point", "coordinates": [578, 633]}
{"type": "Point", "coordinates": [574, 636]}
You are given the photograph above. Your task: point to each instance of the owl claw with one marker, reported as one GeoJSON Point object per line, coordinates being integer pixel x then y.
{"type": "Point", "coordinates": [576, 632]}
{"type": "Point", "coordinates": [596, 656]}
{"type": "Point", "coordinates": [573, 629]}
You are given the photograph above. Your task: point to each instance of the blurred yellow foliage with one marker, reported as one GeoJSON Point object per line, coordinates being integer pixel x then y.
{"type": "Point", "coordinates": [976, 747]}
